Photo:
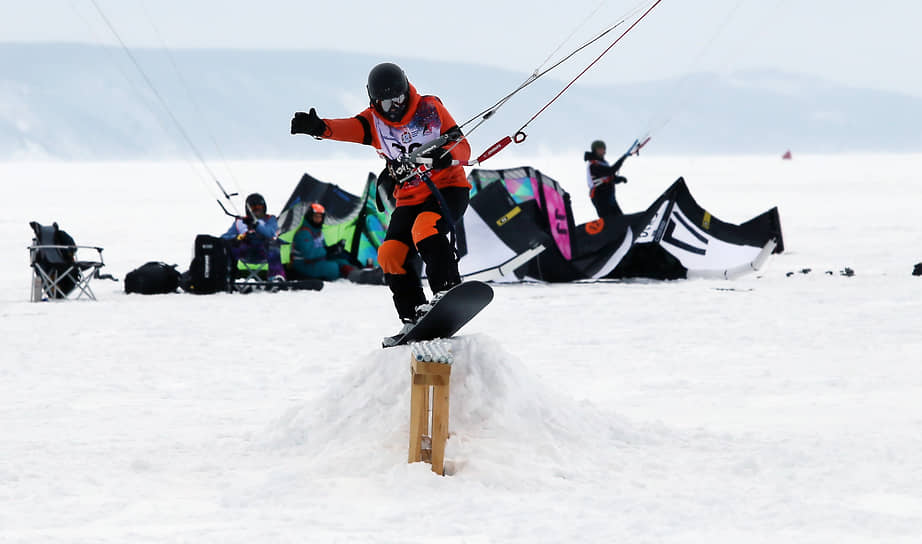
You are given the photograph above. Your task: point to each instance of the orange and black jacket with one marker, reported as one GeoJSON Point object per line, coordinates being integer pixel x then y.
{"type": "Point", "coordinates": [425, 120]}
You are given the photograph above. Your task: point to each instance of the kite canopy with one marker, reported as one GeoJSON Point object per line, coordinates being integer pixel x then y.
{"type": "Point", "coordinates": [353, 219]}
{"type": "Point", "coordinates": [518, 210]}
{"type": "Point", "coordinates": [519, 226]}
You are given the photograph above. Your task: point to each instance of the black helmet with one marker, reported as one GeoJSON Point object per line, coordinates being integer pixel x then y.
{"type": "Point", "coordinates": [597, 144]}
{"type": "Point", "coordinates": [388, 90]}
{"type": "Point", "coordinates": [254, 200]}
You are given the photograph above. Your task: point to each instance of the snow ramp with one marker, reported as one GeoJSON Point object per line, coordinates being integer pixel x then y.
{"type": "Point", "coordinates": [503, 420]}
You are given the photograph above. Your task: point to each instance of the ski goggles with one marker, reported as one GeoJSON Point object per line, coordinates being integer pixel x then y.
{"type": "Point", "coordinates": [387, 103]}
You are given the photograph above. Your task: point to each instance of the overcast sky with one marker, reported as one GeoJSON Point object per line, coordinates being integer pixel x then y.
{"type": "Point", "coordinates": [863, 44]}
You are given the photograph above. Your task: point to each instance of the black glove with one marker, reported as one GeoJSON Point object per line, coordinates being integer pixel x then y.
{"type": "Point", "coordinates": [619, 179]}
{"type": "Point", "coordinates": [308, 123]}
{"type": "Point", "coordinates": [338, 247]}
{"type": "Point", "coordinates": [250, 222]}
{"type": "Point", "coordinates": [440, 156]}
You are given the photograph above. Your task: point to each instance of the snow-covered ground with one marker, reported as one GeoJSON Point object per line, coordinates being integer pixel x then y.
{"type": "Point", "coordinates": [769, 409]}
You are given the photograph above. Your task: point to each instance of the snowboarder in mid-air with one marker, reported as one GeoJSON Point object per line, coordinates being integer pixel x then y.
{"type": "Point", "coordinates": [602, 178]}
{"type": "Point", "coordinates": [399, 121]}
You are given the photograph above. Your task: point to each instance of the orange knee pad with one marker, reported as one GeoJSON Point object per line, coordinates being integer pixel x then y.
{"type": "Point", "coordinates": [391, 256]}
{"type": "Point", "coordinates": [425, 226]}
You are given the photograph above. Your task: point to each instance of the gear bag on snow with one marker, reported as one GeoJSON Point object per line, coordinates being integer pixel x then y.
{"type": "Point", "coordinates": [210, 270]}
{"type": "Point", "coordinates": [152, 278]}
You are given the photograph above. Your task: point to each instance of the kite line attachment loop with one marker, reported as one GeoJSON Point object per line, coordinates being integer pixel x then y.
{"type": "Point", "coordinates": [519, 137]}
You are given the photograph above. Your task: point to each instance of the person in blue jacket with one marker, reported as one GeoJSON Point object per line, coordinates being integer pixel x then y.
{"type": "Point", "coordinates": [254, 237]}
{"type": "Point", "coordinates": [310, 256]}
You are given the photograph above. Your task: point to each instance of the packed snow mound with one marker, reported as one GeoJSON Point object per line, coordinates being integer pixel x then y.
{"type": "Point", "coordinates": [502, 418]}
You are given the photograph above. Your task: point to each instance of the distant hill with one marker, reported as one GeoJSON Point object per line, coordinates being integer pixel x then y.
{"type": "Point", "coordinates": [83, 102]}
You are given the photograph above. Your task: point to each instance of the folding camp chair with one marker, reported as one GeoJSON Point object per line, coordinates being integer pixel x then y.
{"type": "Point", "coordinates": [252, 267]}
{"type": "Point", "coordinates": [251, 270]}
{"type": "Point", "coordinates": [251, 264]}
{"type": "Point", "coordinates": [56, 271]}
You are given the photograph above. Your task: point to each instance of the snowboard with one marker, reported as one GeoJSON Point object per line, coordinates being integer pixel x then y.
{"type": "Point", "coordinates": [456, 307]}
{"type": "Point", "coordinates": [290, 285]}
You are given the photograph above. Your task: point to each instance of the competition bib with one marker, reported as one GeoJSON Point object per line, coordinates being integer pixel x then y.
{"type": "Point", "coordinates": [423, 127]}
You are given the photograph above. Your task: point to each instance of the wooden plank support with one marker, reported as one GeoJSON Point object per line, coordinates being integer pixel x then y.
{"type": "Point", "coordinates": [439, 427]}
{"type": "Point", "coordinates": [419, 420]}
{"type": "Point", "coordinates": [430, 367]}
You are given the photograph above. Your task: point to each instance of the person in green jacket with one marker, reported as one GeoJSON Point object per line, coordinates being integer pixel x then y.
{"type": "Point", "coordinates": [310, 256]}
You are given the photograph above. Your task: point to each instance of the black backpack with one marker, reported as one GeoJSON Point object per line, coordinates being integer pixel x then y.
{"type": "Point", "coordinates": [210, 270]}
{"type": "Point", "coordinates": [152, 278]}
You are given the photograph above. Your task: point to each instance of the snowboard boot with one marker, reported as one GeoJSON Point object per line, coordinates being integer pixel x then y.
{"type": "Point", "coordinates": [389, 341]}
{"type": "Point", "coordinates": [407, 294]}
{"type": "Point", "coordinates": [424, 308]}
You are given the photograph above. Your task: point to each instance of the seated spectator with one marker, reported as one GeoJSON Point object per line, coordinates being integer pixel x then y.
{"type": "Point", "coordinates": [310, 256]}
{"type": "Point", "coordinates": [254, 238]}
